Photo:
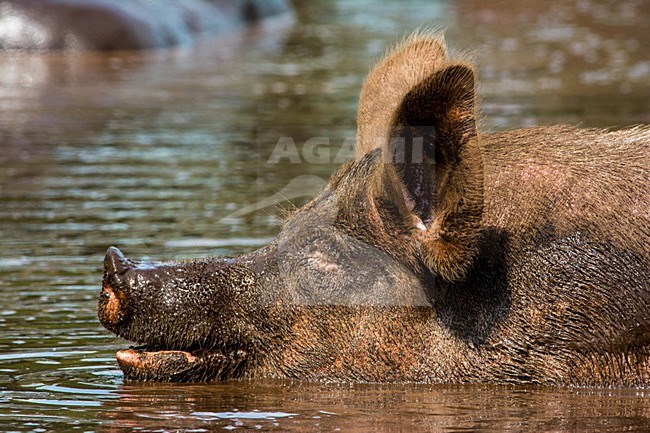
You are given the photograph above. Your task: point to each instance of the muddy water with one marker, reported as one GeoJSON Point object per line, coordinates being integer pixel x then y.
{"type": "Point", "coordinates": [170, 154]}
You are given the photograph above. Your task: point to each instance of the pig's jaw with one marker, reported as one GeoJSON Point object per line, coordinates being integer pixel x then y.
{"type": "Point", "coordinates": [179, 365]}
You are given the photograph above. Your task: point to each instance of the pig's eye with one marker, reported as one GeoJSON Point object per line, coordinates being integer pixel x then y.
{"type": "Point", "coordinates": [320, 261]}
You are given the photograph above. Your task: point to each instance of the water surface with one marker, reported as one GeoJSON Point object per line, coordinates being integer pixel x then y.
{"type": "Point", "coordinates": [158, 152]}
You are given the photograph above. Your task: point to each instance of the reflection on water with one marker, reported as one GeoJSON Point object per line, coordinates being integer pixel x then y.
{"type": "Point", "coordinates": [301, 407]}
{"type": "Point", "coordinates": [577, 62]}
{"type": "Point", "coordinates": [159, 152]}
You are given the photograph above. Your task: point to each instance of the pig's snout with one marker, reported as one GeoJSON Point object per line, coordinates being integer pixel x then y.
{"type": "Point", "coordinates": [112, 305]}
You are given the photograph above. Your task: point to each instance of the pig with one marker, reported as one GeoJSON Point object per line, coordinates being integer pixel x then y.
{"type": "Point", "coordinates": [440, 254]}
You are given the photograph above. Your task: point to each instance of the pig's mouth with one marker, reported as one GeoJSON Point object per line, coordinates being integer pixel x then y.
{"type": "Point", "coordinates": [173, 365]}
{"type": "Point", "coordinates": [161, 351]}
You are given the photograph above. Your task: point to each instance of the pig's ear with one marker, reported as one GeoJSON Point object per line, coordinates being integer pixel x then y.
{"type": "Point", "coordinates": [406, 65]}
{"type": "Point", "coordinates": [434, 151]}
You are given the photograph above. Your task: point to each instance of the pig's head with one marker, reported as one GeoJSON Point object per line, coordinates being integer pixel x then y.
{"type": "Point", "coordinates": [392, 228]}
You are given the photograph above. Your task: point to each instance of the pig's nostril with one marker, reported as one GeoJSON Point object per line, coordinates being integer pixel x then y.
{"type": "Point", "coordinates": [112, 311]}
{"type": "Point", "coordinates": [114, 262]}
{"type": "Point", "coordinates": [113, 304]}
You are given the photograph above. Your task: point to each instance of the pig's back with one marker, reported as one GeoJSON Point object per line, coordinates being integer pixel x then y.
{"type": "Point", "coordinates": [568, 180]}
